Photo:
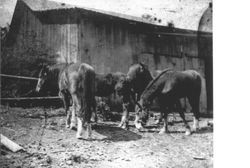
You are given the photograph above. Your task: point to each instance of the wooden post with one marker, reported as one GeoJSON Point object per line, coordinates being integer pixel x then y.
{"type": "Point", "coordinates": [10, 144]}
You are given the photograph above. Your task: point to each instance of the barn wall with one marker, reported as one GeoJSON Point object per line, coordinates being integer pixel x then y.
{"type": "Point", "coordinates": [62, 40]}
{"type": "Point", "coordinates": [29, 30]}
{"type": "Point", "coordinates": [57, 40]}
{"type": "Point", "coordinates": [111, 47]}
{"type": "Point", "coordinates": [104, 46]}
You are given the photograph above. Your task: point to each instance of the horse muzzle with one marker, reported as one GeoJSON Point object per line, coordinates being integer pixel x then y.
{"type": "Point", "coordinates": [38, 89]}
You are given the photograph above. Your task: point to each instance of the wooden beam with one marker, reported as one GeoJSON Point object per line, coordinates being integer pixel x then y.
{"type": "Point", "coordinates": [10, 144]}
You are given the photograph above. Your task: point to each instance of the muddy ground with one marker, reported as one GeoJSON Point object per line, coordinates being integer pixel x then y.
{"type": "Point", "coordinates": [47, 143]}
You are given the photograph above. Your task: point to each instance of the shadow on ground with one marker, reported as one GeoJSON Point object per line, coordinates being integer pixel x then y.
{"type": "Point", "coordinates": [115, 133]}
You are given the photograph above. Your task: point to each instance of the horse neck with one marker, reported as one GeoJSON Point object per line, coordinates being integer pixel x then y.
{"type": "Point", "coordinates": [150, 93]}
{"type": "Point", "coordinates": [153, 87]}
{"type": "Point", "coordinates": [141, 82]}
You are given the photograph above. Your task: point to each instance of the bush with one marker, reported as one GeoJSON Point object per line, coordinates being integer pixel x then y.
{"type": "Point", "coordinates": [24, 62]}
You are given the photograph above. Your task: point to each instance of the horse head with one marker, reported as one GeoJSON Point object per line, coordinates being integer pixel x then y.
{"type": "Point", "coordinates": [139, 76]}
{"type": "Point", "coordinates": [123, 85]}
{"type": "Point", "coordinates": [109, 79]}
{"type": "Point", "coordinates": [42, 78]}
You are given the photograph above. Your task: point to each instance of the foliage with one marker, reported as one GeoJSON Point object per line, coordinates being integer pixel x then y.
{"type": "Point", "coordinates": [24, 61]}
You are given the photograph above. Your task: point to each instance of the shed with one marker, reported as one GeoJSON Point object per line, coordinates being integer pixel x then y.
{"type": "Point", "coordinates": [108, 41]}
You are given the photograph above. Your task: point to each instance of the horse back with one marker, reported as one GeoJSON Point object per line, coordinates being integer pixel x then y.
{"type": "Point", "coordinates": [182, 82]}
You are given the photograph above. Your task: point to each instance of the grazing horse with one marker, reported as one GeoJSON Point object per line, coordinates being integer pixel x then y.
{"type": "Point", "coordinates": [105, 83]}
{"type": "Point", "coordinates": [168, 87]}
{"type": "Point", "coordinates": [105, 86]}
{"type": "Point", "coordinates": [78, 81]}
{"type": "Point", "coordinates": [131, 87]}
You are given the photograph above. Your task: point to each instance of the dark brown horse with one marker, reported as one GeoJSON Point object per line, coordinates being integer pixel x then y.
{"type": "Point", "coordinates": [78, 81]}
{"type": "Point", "coordinates": [105, 87]}
{"type": "Point", "coordinates": [168, 87]}
{"type": "Point", "coordinates": [131, 88]}
{"type": "Point", "coordinates": [49, 77]}
{"type": "Point", "coordinates": [105, 83]}
{"type": "Point", "coordinates": [48, 83]}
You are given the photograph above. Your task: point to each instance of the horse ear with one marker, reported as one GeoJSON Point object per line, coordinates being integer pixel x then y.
{"type": "Point", "coordinates": [142, 66]}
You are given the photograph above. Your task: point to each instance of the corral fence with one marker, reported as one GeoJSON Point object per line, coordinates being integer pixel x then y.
{"type": "Point", "coordinates": [27, 101]}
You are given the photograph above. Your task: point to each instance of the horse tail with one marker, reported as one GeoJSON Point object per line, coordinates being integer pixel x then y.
{"type": "Point", "coordinates": [88, 89]}
{"type": "Point", "coordinates": [197, 78]}
{"type": "Point", "coordinates": [199, 81]}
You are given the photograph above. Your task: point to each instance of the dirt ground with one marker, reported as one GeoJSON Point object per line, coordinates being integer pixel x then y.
{"type": "Point", "coordinates": [47, 143]}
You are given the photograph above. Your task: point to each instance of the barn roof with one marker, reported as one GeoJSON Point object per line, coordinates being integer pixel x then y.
{"type": "Point", "coordinates": [183, 15]}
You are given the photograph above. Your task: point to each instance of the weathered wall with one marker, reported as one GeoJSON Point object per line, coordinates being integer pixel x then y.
{"type": "Point", "coordinates": [205, 49]}
{"type": "Point", "coordinates": [108, 45]}
{"type": "Point", "coordinates": [58, 40]}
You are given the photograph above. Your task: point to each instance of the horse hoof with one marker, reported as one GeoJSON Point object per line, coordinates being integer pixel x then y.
{"type": "Point", "coordinates": [120, 125]}
{"type": "Point", "coordinates": [163, 132]}
{"type": "Point", "coordinates": [67, 126]}
{"type": "Point", "coordinates": [79, 137]}
{"type": "Point", "coordinates": [195, 129]}
{"type": "Point", "coordinates": [124, 127]}
{"type": "Point", "coordinates": [138, 126]}
{"type": "Point", "coordinates": [90, 138]}
{"type": "Point", "coordinates": [187, 133]}
{"type": "Point", "coordinates": [157, 122]}
{"type": "Point", "coordinates": [72, 127]}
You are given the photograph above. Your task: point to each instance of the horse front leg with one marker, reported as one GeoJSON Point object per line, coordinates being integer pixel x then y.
{"type": "Point", "coordinates": [165, 113]}
{"type": "Point", "coordinates": [137, 122]}
{"type": "Point", "coordinates": [124, 121]}
{"type": "Point", "coordinates": [75, 110]}
{"type": "Point", "coordinates": [94, 114]}
{"type": "Point", "coordinates": [88, 123]}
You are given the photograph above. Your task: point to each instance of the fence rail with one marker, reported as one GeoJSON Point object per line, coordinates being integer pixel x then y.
{"type": "Point", "coordinates": [18, 77]}
{"type": "Point", "coordinates": [30, 98]}
{"type": "Point", "coordinates": [25, 98]}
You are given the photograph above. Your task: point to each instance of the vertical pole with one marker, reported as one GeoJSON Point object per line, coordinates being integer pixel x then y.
{"type": "Point", "coordinates": [184, 68]}
{"type": "Point", "coordinates": [0, 71]}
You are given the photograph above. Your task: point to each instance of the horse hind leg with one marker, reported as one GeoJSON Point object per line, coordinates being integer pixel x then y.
{"type": "Point", "coordinates": [194, 102]}
{"type": "Point", "coordinates": [182, 115]}
{"type": "Point", "coordinates": [76, 109]}
{"type": "Point", "coordinates": [79, 128]}
{"type": "Point", "coordinates": [80, 117]}
{"type": "Point", "coordinates": [66, 103]}
{"type": "Point", "coordinates": [124, 121]}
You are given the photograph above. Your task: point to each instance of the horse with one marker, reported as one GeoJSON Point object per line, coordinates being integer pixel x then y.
{"type": "Point", "coordinates": [131, 88]}
{"type": "Point", "coordinates": [78, 81]}
{"type": "Point", "coordinates": [168, 87]}
{"type": "Point", "coordinates": [48, 82]}
{"type": "Point", "coordinates": [105, 87]}
{"type": "Point", "coordinates": [48, 78]}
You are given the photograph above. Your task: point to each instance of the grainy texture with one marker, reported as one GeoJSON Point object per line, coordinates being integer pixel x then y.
{"type": "Point", "coordinates": [51, 145]}
{"type": "Point", "coordinates": [105, 41]}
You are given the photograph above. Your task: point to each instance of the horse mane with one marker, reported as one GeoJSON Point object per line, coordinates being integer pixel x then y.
{"type": "Point", "coordinates": [155, 79]}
